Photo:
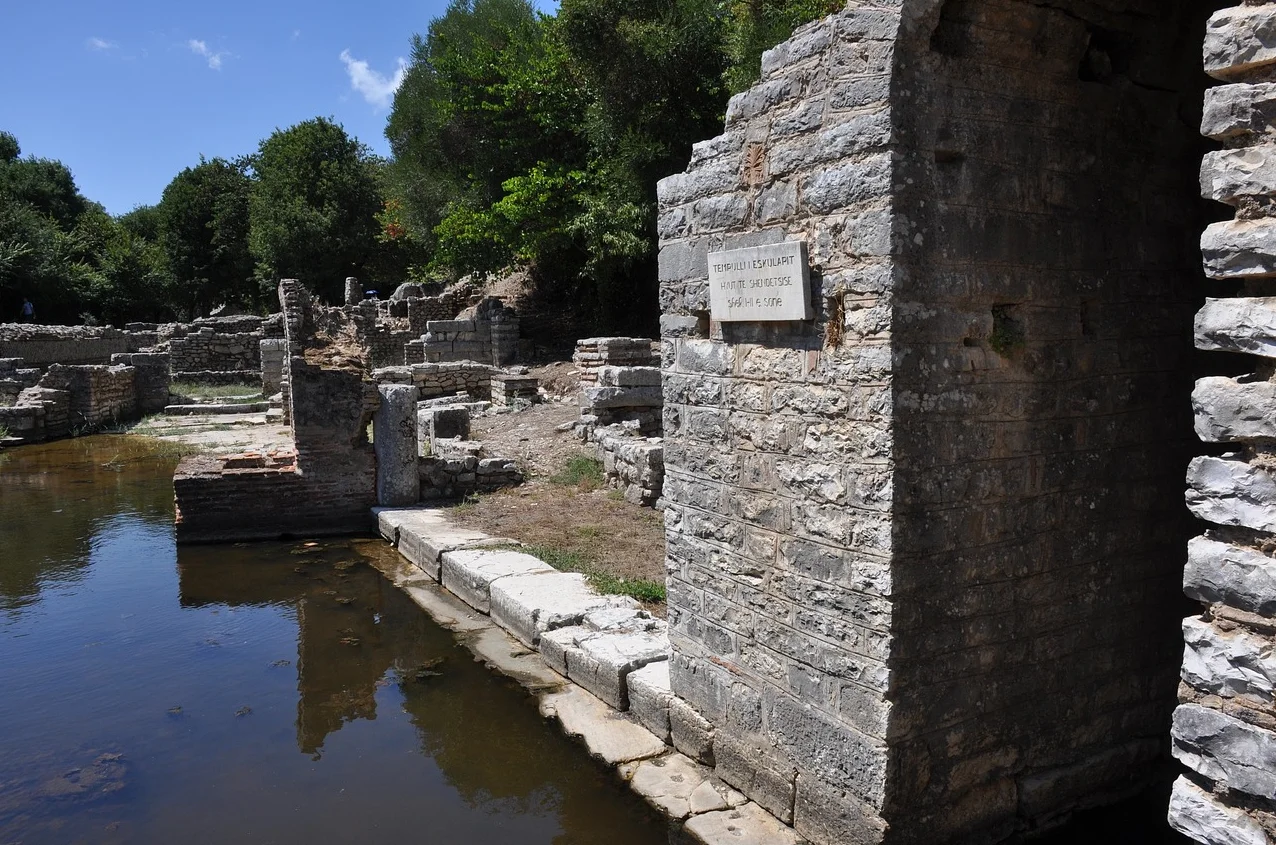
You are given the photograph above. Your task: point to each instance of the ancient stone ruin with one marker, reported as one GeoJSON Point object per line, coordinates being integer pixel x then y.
{"type": "Point", "coordinates": [924, 513]}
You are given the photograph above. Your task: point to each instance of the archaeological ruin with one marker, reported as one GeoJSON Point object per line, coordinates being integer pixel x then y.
{"type": "Point", "coordinates": [948, 310]}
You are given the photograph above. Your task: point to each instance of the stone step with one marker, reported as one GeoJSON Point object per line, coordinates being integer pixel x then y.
{"type": "Point", "coordinates": [1227, 491]}
{"type": "Point", "coordinates": [530, 605]}
{"type": "Point", "coordinates": [1240, 249]}
{"type": "Point", "coordinates": [469, 574]}
{"type": "Point", "coordinates": [240, 408]}
{"type": "Point", "coordinates": [1228, 410]}
{"type": "Point", "coordinates": [1239, 41]}
{"type": "Point", "coordinates": [600, 653]}
{"type": "Point", "coordinates": [1240, 324]}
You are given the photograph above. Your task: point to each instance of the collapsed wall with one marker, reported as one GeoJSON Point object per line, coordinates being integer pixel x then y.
{"type": "Point", "coordinates": [1225, 727]}
{"type": "Point", "coordinates": [923, 544]}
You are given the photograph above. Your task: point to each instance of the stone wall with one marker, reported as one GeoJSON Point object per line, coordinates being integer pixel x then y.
{"type": "Point", "coordinates": [594, 352]}
{"type": "Point", "coordinates": [273, 353]}
{"type": "Point", "coordinates": [620, 395]}
{"type": "Point", "coordinates": [923, 548]}
{"type": "Point", "coordinates": [1225, 727]}
{"type": "Point", "coordinates": [489, 333]}
{"type": "Point", "coordinates": [632, 463]}
{"type": "Point", "coordinates": [329, 485]}
{"type": "Point", "coordinates": [208, 349]}
{"type": "Point", "coordinates": [445, 379]}
{"type": "Point", "coordinates": [41, 345]}
{"type": "Point", "coordinates": [150, 378]}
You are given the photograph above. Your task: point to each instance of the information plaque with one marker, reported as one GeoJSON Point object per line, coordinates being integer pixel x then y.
{"type": "Point", "coordinates": [760, 283]}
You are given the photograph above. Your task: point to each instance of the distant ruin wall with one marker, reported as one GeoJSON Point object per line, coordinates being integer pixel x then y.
{"type": "Point", "coordinates": [923, 548]}
{"type": "Point", "coordinates": [209, 349]}
{"type": "Point", "coordinates": [1225, 727]}
{"type": "Point", "coordinates": [41, 345]}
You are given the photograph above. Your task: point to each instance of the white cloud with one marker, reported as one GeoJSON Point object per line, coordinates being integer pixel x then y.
{"type": "Point", "coordinates": [199, 48]}
{"type": "Point", "coordinates": [96, 43]}
{"type": "Point", "coordinates": [375, 87]}
{"type": "Point", "coordinates": [296, 33]}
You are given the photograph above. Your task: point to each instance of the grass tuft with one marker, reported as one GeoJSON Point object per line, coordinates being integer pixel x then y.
{"type": "Point", "coordinates": [216, 391]}
{"type": "Point", "coordinates": [4, 432]}
{"type": "Point", "coordinates": [565, 560]}
{"type": "Point", "coordinates": [582, 472]}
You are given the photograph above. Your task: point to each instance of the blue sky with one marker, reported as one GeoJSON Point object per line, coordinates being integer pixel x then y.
{"type": "Point", "coordinates": [128, 93]}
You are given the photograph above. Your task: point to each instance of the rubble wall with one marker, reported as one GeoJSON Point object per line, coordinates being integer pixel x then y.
{"type": "Point", "coordinates": [923, 549]}
{"type": "Point", "coordinates": [42, 345]}
{"type": "Point", "coordinates": [1224, 730]}
{"type": "Point", "coordinates": [207, 349]}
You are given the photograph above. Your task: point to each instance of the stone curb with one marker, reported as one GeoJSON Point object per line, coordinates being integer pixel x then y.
{"type": "Point", "coordinates": [491, 617]}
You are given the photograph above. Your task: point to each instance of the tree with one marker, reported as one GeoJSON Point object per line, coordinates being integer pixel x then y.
{"type": "Point", "coordinates": [755, 26]}
{"type": "Point", "coordinates": [204, 228]}
{"type": "Point", "coordinates": [313, 207]}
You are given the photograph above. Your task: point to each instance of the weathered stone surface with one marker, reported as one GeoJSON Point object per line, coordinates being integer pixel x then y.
{"type": "Point", "coordinates": [1242, 324]}
{"type": "Point", "coordinates": [747, 824]}
{"type": "Point", "coordinates": [757, 773]}
{"type": "Point", "coordinates": [1228, 175]}
{"type": "Point", "coordinates": [678, 787]}
{"type": "Point", "coordinates": [422, 535]}
{"type": "Point", "coordinates": [1239, 112]}
{"type": "Point", "coordinates": [600, 663]}
{"type": "Point", "coordinates": [529, 605]}
{"type": "Point", "coordinates": [1225, 750]}
{"type": "Point", "coordinates": [1232, 492]}
{"type": "Point", "coordinates": [1240, 249]}
{"type": "Point", "coordinates": [1228, 663]}
{"type": "Point", "coordinates": [1240, 39]}
{"type": "Point", "coordinates": [823, 814]}
{"type": "Point", "coordinates": [608, 735]}
{"type": "Point", "coordinates": [1199, 815]}
{"type": "Point", "coordinates": [470, 574]}
{"type": "Point", "coordinates": [692, 733]}
{"type": "Point", "coordinates": [394, 438]}
{"type": "Point", "coordinates": [1229, 410]}
{"type": "Point", "coordinates": [649, 697]}
{"type": "Point", "coordinates": [1235, 575]}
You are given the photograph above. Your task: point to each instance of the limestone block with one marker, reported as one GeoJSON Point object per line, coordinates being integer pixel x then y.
{"type": "Point", "coordinates": [554, 646]}
{"type": "Point", "coordinates": [609, 736]}
{"type": "Point", "coordinates": [760, 774]}
{"type": "Point", "coordinates": [649, 697]}
{"type": "Point", "coordinates": [1229, 410]}
{"type": "Point", "coordinates": [1234, 112]}
{"type": "Point", "coordinates": [598, 398]}
{"type": "Point", "coordinates": [1240, 249]}
{"type": "Point", "coordinates": [628, 376]}
{"type": "Point", "coordinates": [1226, 750]}
{"type": "Point", "coordinates": [692, 733]}
{"type": "Point", "coordinates": [449, 326]}
{"type": "Point", "coordinates": [1198, 814]}
{"type": "Point", "coordinates": [529, 605]}
{"type": "Point", "coordinates": [747, 824]}
{"type": "Point", "coordinates": [1240, 39]}
{"type": "Point", "coordinates": [470, 573]}
{"type": "Point", "coordinates": [1241, 324]}
{"type": "Point", "coordinates": [824, 814]}
{"type": "Point", "coordinates": [422, 535]}
{"type": "Point", "coordinates": [678, 787]}
{"type": "Point", "coordinates": [354, 291]}
{"type": "Point", "coordinates": [1242, 577]}
{"type": "Point", "coordinates": [1231, 492]}
{"type": "Point", "coordinates": [601, 662]}
{"type": "Point", "coordinates": [394, 439]}
{"type": "Point", "coordinates": [449, 421]}
{"type": "Point", "coordinates": [1228, 175]}
{"type": "Point", "coordinates": [1228, 663]}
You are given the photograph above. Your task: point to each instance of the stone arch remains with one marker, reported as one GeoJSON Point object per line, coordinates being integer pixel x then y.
{"type": "Point", "coordinates": [925, 549]}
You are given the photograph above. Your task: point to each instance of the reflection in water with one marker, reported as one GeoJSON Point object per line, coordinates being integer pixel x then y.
{"type": "Point", "coordinates": [152, 695]}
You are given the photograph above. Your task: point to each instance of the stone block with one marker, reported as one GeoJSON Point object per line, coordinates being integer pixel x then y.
{"type": "Point", "coordinates": [1240, 40]}
{"type": "Point", "coordinates": [823, 814]}
{"type": "Point", "coordinates": [760, 774]}
{"type": "Point", "coordinates": [628, 376]}
{"type": "Point", "coordinates": [678, 787]}
{"type": "Point", "coordinates": [747, 824]}
{"type": "Point", "coordinates": [600, 663]}
{"type": "Point", "coordinates": [449, 326]}
{"type": "Point", "coordinates": [1226, 750]}
{"type": "Point", "coordinates": [1238, 112]}
{"type": "Point", "coordinates": [1242, 577]}
{"type": "Point", "coordinates": [394, 439]}
{"type": "Point", "coordinates": [529, 605]}
{"type": "Point", "coordinates": [1229, 410]}
{"type": "Point", "coordinates": [1227, 491]}
{"type": "Point", "coordinates": [609, 736]}
{"type": "Point", "coordinates": [1240, 249]}
{"type": "Point", "coordinates": [1229, 175]}
{"type": "Point", "coordinates": [649, 697]}
{"type": "Point", "coordinates": [470, 573]}
{"type": "Point", "coordinates": [692, 733]}
{"type": "Point", "coordinates": [422, 535]}
{"type": "Point", "coordinates": [603, 398]}
{"type": "Point", "coordinates": [447, 422]}
{"type": "Point", "coordinates": [1199, 815]}
{"type": "Point", "coordinates": [1228, 663]}
{"type": "Point", "coordinates": [1241, 324]}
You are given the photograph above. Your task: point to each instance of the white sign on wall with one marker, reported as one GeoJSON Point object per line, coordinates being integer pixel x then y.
{"type": "Point", "coordinates": [760, 283]}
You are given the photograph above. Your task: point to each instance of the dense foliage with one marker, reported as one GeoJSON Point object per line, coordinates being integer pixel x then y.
{"type": "Point", "coordinates": [517, 138]}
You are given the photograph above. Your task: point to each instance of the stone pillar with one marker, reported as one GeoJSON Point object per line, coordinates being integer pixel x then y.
{"type": "Point", "coordinates": [273, 352]}
{"type": "Point", "coordinates": [354, 291]}
{"type": "Point", "coordinates": [1225, 727]}
{"type": "Point", "coordinates": [394, 438]}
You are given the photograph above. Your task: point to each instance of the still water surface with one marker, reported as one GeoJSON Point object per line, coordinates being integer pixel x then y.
{"type": "Point", "coordinates": [259, 693]}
